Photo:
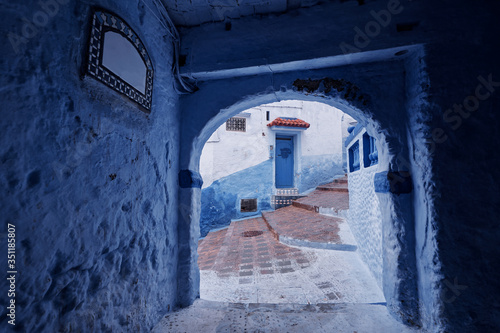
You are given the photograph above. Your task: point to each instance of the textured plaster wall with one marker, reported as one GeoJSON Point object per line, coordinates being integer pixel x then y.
{"type": "Point", "coordinates": [365, 215]}
{"type": "Point", "coordinates": [220, 202]}
{"type": "Point", "coordinates": [465, 174]}
{"type": "Point", "coordinates": [319, 169]}
{"type": "Point", "coordinates": [89, 180]}
{"type": "Point", "coordinates": [365, 219]}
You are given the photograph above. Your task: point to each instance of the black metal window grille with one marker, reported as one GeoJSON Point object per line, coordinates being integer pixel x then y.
{"type": "Point", "coordinates": [236, 124]}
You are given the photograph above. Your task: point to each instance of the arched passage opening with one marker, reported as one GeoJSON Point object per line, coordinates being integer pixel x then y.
{"type": "Point", "coordinates": [374, 107]}
{"type": "Point", "coordinates": [296, 245]}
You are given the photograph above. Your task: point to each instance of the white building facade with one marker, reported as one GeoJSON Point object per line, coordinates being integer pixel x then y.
{"type": "Point", "coordinates": [284, 147]}
{"type": "Point", "coordinates": [365, 217]}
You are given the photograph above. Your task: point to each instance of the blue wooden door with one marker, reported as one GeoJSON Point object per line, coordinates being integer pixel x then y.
{"type": "Point", "coordinates": [284, 161]}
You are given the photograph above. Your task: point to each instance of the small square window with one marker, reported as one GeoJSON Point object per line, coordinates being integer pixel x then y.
{"type": "Point", "coordinates": [236, 124]}
{"type": "Point", "coordinates": [248, 205]}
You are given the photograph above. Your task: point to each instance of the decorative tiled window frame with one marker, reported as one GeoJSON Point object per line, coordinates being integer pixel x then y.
{"type": "Point", "coordinates": [102, 22]}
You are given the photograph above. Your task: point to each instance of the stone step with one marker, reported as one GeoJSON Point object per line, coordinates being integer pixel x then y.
{"type": "Point", "coordinates": [335, 187]}
{"type": "Point", "coordinates": [342, 180]}
{"type": "Point", "coordinates": [298, 227]}
{"type": "Point", "coordinates": [306, 206]}
{"type": "Point", "coordinates": [334, 203]}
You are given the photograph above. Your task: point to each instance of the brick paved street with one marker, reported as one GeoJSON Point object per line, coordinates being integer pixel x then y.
{"type": "Point", "coordinates": [247, 263]}
{"type": "Point", "coordinates": [249, 256]}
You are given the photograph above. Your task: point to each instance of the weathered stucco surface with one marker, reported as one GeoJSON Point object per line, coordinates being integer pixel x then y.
{"type": "Point", "coordinates": [88, 179]}
{"type": "Point", "coordinates": [116, 252]}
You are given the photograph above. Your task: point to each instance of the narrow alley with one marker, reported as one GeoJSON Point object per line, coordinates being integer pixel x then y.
{"type": "Point", "coordinates": [294, 260]}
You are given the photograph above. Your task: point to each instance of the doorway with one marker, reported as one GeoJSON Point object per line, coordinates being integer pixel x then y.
{"type": "Point", "coordinates": [284, 162]}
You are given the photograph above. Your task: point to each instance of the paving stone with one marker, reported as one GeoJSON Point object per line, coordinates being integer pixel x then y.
{"type": "Point", "coordinates": [245, 281]}
{"type": "Point", "coordinates": [284, 263]}
{"type": "Point", "coordinates": [273, 279]}
{"type": "Point", "coordinates": [267, 271]}
{"type": "Point", "coordinates": [324, 285]}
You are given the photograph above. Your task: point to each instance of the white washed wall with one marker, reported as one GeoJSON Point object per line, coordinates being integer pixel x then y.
{"type": "Point", "coordinates": [365, 217]}
{"type": "Point", "coordinates": [227, 152]}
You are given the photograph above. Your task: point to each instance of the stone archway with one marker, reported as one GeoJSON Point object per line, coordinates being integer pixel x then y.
{"type": "Point", "coordinates": [234, 95]}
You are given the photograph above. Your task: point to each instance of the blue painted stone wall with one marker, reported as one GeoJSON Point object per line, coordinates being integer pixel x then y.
{"type": "Point", "coordinates": [318, 170]}
{"type": "Point", "coordinates": [89, 180]}
{"type": "Point", "coordinates": [220, 202]}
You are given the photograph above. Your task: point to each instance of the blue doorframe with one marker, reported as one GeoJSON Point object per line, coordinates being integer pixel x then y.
{"type": "Point", "coordinates": [284, 164]}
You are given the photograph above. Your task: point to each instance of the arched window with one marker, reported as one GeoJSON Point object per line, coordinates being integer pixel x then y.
{"type": "Point", "coordinates": [117, 57]}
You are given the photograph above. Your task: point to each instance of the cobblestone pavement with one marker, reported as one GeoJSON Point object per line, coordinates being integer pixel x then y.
{"type": "Point", "coordinates": [246, 254]}
{"type": "Point", "coordinates": [261, 269]}
{"type": "Point", "coordinates": [210, 317]}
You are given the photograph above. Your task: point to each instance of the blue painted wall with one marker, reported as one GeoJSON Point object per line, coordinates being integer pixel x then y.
{"type": "Point", "coordinates": [319, 169]}
{"type": "Point", "coordinates": [220, 202]}
{"type": "Point", "coordinates": [87, 178]}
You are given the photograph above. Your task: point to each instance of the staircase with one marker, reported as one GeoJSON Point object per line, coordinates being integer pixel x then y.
{"type": "Point", "coordinates": [329, 199]}
{"type": "Point", "coordinates": [315, 220]}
